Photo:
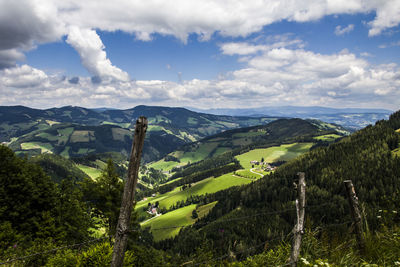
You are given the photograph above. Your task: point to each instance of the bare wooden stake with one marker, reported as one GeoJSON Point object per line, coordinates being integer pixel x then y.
{"type": "Point", "coordinates": [128, 197]}
{"type": "Point", "coordinates": [299, 227]}
{"type": "Point", "coordinates": [355, 213]}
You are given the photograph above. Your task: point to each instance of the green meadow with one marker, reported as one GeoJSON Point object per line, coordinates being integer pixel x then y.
{"type": "Point", "coordinates": [44, 147]}
{"type": "Point", "coordinates": [327, 137]}
{"type": "Point", "coordinates": [209, 185]}
{"type": "Point", "coordinates": [248, 174]}
{"type": "Point", "coordinates": [92, 172]}
{"type": "Point", "coordinates": [179, 217]}
{"type": "Point", "coordinates": [176, 218]}
{"type": "Point", "coordinates": [275, 153]}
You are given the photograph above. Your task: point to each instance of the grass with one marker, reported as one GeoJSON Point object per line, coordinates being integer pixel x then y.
{"type": "Point", "coordinates": [64, 134]}
{"type": "Point", "coordinates": [205, 209]}
{"type": "Point", "coordinates": [179, 217]}
{"type": "Point", "coordinates": [48, 136]}
{"type": "Point", "coordinates": [85, 150]}
{"type": "Point", "coordinates": [327, 137]}
{"type": "Point", "coordinates": [203, 150]}
{"type": "Point", "coordinates": [92, 172]}
{"type": "Point", "coordinates": [44, 147]}
{"type": "Point", "coordinates": [221, 150]}
{"type": "Point", "coordinates": [174, 180]}
{"type": "Point", "coordinates": [247, 174]}
{"type": "Point", "coordinates": [65, 152]}
{"type": "Point", "coordinates": [275, 153]}
{"type": "Point", "coordinates": [82, 136]}
{"type": "Point", "coordinates": [123, 125]}
{"type": "Point", "coordinates": [209, 185]}
{"type": "Point", "coordinates": [164, 165]}
{"type": "Point", "coordinates": [51, 123]}
{"type": "Point", "coordinates": [119, 134]}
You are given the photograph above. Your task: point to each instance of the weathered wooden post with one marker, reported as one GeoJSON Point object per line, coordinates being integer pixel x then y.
{"type": "Point", "coordinates": [299, 227]}
{"type": "Point", "coordinates": [355, 213]}
{"type": "Point", "coordinates": [121, 235]}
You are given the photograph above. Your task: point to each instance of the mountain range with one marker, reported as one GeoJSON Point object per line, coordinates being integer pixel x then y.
{"type": "Point", "coordinates": [352, 118]}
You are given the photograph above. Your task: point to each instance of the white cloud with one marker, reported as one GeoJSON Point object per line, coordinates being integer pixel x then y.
{"type": "Point", "coordinates": [286, 76]}
{"type": "Point", "coordinates": [23, 77]}
{"type": "Point", "coordinates": [275, 70]}
{"type": "Point", "coordinates": [341, 31]}
{"type": "Point", "coordinates": [93, 57]}
{"type": "Point", "coordinates": [387, 16]}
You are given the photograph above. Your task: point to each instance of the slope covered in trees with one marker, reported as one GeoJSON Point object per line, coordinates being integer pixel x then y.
{"type": "Point", "coordinates": [366, 157]}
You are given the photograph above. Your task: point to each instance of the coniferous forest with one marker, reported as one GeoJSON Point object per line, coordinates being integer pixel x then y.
{"type": "Point", "coordinates": [70, 221]}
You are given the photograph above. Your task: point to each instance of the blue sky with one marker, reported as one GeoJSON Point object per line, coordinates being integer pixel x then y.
{"type": "Point", "coordinates": [211, 54]}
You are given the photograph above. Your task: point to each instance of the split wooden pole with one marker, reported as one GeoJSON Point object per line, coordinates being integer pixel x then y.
{"type": "Point", "coordinates": [299, 227]}
{"type": "Point", "coordinates": [355, 213]}
{"type": "Point", "coordinates": [128, 197]}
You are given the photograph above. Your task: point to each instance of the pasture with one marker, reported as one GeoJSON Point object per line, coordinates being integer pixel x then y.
{"type": "Point", "coordinates": [327, 137]}
{"type": "Point", "coordinates": [92, 172]}
{"type": "Point", "coordinates": [209, 185]}
{"type": "Point", "coordinates": [275, 153]}
{"type": "Point", "coordinates": [44, 147]}
{"type": "Point", "coordinates": [179, 217]}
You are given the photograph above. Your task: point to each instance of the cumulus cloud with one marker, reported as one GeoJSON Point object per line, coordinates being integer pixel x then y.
{"type": "Point", "coordinates": [387, 16]}
{"type": "Point", "coordinates": [23, 77]}
{"type": "Point", "coordinates": [282, 75]}
{"type": "Point", "coordinates": [247, 48]}
{"type": "Point", "coordinates": [342, 31]}
{"type": "Point", "coordinates": [24, 24]}
{"type": "Point", "coordinates": [91, 50]}
{"type": "Point", "coordinates": [275, 70]}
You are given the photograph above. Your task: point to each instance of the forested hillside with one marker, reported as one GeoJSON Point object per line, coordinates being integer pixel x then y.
{"type": "Point", "coordinates": [76, 131]}
{"type": "Point", "coordinates": [246, 225]}
{"type": "Point", "coordinates": [367, 157]}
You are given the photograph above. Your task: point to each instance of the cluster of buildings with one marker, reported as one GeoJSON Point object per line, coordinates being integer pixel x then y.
{"type": "Point", "coordinates": [152, 209]}
{"type": "Point", "coordinates": [264, 165]}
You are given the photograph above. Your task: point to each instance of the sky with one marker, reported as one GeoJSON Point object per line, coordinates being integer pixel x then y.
{"type": "Point", "coordinates": [201, 54]}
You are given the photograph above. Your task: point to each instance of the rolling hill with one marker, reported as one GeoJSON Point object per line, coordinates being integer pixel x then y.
{"type": "Point", "coordinates": [72, 131]}
{"type": "Point", "coordinates": [275, 133]}
{"type": "Point", "coordinates": [352, 118]}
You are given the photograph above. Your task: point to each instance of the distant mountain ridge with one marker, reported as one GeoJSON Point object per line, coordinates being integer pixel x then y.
{"type": "Point", "coordinates": [72, 130]}
{"type": "Point", "coordinates": [353, 118]}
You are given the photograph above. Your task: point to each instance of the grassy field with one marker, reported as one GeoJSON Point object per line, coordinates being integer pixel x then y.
{"type": "Point", "coordinates": [51, 123]}
{"type": "Point", "coordinates": [92, 172]}
{"type": "Point", "coordinates": [327, 137]}
{"type": "Point", "coordinates": [205, 209]}
{"type": "Point", "coordinates": [248, 174]}
{"type": "Point", "coordinates": [82, 136]}
{"type": "Point", "coordinates": [65, 134]}
{"type": "Point", "coordinates": [201, 153]}
{"type": "Point", "coordinates": [48, 136]}
{"type": "Point", "coordinates": [123, 125]}
{"type": "Point", "coordinates": [65, 152]}
{"type": "Point", "coordinates": [271, 154]}
{"type": "Point", "coordinates": [164, 165]}
{"type": "Point", "coordinates": [119, 134]}
{"type": "Point", "coordinates": [209, 185]}
{"type": "Point", "coordinates": [179, 217]}
{"type": "Point", "coordinates": [45, 147]}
